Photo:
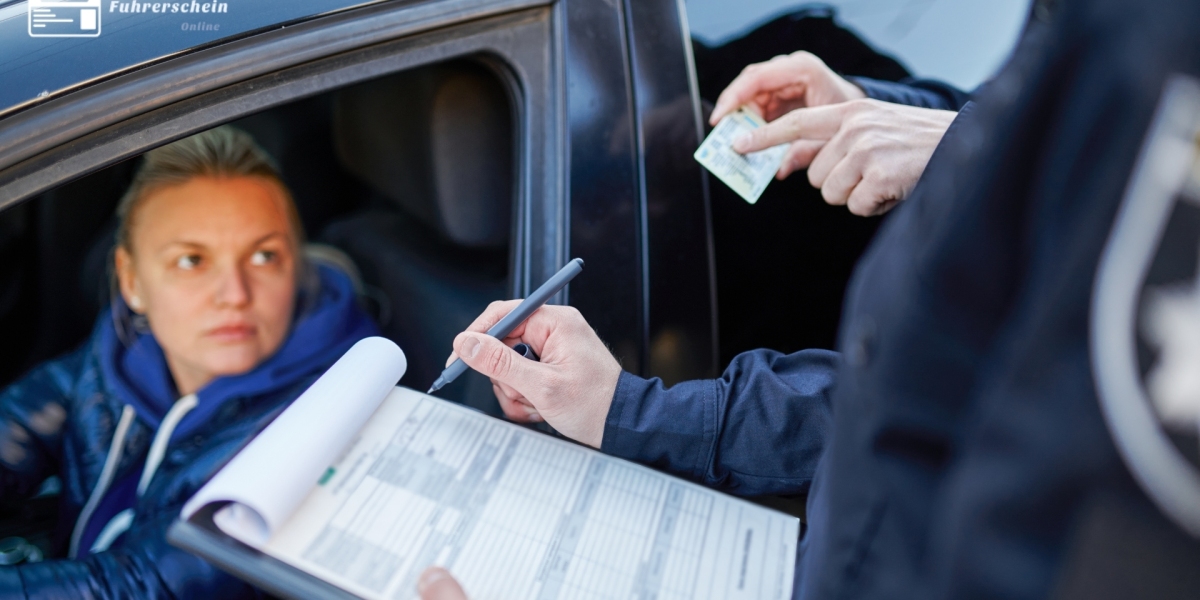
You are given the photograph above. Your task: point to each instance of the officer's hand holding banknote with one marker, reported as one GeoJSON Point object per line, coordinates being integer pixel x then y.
{"type": "Point", "coordinates": [793, 112]}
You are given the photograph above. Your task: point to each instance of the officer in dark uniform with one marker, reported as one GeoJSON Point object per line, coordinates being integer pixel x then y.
{"type": "Point", "coordinates": [1017, 409]}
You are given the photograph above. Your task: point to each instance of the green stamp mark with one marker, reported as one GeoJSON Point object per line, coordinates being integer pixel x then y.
{"type": "Point", "coordinates": [327, 476]}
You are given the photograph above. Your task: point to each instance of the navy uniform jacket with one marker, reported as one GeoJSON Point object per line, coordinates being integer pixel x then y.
{"type": "Point", "coordinates": [964, 450]}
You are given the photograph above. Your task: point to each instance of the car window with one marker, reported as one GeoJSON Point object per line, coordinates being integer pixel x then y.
{"type": "Point", "coordinates": [409, 176]}
{"type": "Point", "coordinates": [959, 42]}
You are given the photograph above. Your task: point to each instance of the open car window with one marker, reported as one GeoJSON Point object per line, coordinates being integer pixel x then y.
{"type": "Point", "coordinates": [410, 177]}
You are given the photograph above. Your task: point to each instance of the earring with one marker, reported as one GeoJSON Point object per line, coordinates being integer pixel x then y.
{"type": "Point", "coordinates": [135, 303]}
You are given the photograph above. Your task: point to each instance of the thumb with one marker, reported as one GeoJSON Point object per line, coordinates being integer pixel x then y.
{"type": "Point", "coordinates": [496, 361]}
{"type": "Point", "coordinates": [436, 583]}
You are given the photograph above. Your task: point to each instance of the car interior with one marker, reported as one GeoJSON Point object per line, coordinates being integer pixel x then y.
{"type": "Point", "coordinates": [407, 180]}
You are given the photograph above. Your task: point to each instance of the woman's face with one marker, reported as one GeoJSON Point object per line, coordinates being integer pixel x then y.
{"type": "Point", "coordinates": [212, 265]}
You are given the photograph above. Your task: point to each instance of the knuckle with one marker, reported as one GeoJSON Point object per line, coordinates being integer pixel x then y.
{"type": "Point", "coordinates": [860, 105]}
{"type": "Point", "coordinates": [854, 126]}
{"type": "Point", "coordinates": [814, 175]}
{"type": "Point", "coordinates": [572, 314]}
{"type": "Point", "coordinates": [864, 144]}
{"type": "Point", "coordinates": [498, 362]}
{"type": "Point", "coordinates": [832, 197]}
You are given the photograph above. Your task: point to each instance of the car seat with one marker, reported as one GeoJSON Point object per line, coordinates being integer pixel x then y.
{"type": "Point", "coordinates": [435, 145]}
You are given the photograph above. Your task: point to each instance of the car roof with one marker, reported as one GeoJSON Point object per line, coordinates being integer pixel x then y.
{"type": "Point", "coordinates": [127, 34]}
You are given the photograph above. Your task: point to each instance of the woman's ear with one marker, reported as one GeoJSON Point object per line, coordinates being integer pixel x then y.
{"type": "Point", "coordinates": [127, 280]}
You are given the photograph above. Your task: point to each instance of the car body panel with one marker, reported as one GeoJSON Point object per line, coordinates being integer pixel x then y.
{"type": "Point", "coordinates": [44, 66]}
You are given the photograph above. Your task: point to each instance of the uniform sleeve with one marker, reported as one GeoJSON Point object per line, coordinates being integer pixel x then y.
{"type": "Point", "coordinates": [759, 429]}
{"type": "Point", "coordinates": [922, 93]}
{"type": "Point", "coordinates": [33, 412]}
{"type": "Point", "coordinates": [143, 566]}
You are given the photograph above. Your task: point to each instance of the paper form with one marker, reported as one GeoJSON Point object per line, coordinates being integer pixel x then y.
{"type": "Point", "coordinates": [267, 480]}
{"type": "Point", "coordinates": [517, 514]}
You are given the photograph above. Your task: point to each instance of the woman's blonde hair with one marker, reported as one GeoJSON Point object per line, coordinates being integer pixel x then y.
{"type": "Point", "coordinates": [219, 152]}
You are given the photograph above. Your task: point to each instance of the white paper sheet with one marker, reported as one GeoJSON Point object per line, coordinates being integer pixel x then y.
{"type": "Point", "coordinates": [517, 514]}
{"type": "Point", "coordinates": [275, 472]}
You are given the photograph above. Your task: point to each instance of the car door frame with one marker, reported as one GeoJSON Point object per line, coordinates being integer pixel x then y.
{"type": "Point", "coordinates": [650, 285]}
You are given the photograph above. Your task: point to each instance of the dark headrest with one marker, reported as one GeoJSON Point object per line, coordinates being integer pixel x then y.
{"type": "Point", "coordinates": [438, 142]}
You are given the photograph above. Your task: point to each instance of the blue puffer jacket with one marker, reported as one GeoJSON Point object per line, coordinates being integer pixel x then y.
{"type": "Point", "coordinates": [105, 419]}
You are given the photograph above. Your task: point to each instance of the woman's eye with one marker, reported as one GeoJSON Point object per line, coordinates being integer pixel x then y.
{"type": "Point", "coordinates": [263, 257]}
{"type": "Point", "coordinates": [188, 262]}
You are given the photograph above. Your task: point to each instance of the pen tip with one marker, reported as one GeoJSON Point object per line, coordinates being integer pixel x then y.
{"type": "Point", "coordinates": [432, 390]}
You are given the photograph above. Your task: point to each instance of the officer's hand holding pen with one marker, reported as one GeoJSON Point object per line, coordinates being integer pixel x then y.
{"type": "Point", "coordinates": [570, 388]}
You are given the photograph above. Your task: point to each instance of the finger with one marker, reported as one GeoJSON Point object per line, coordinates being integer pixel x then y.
{"type": "Point", "coordinates": [827, 159]}
{"type": "Point", "coordinates": [869, 199]}
{"type": "Point", "coordinates": [496, 361]}
{"type": "Point", "coordinates": [436, 583]}
{"type": "Point", "coordinates": [492, 315]}
{"type": "Point", "coordinates": [755, 80]}
{"type": "Point", "coordinates": [508, 392]}
{"type": "Point", "coordinates": [509, 341]}
{"type": "Point", "coordinates": [552, 321]}
{"type": "Point", "coordinates": [818, 123]}
{"type": "Point", "coordinates": [514, 405]}
{"type": "Point", "coordinates": [842, 180]}
{"type": "Point", "coordinates": [799, 155]}
{"type": "Point", "coordinates": [885, 206]}
{"type": "Point", "coordinates": [517, 409]}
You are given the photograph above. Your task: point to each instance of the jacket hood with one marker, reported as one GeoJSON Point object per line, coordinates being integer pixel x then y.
{"type": "Point", "coordinates": [137, 373]}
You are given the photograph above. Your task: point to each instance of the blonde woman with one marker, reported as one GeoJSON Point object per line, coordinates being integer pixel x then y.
{"type": "Point", "coordinates": [217, 326]}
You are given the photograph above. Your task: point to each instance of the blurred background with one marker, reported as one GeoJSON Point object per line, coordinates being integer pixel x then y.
{"type": "Point", "coordinates": [961, 42]}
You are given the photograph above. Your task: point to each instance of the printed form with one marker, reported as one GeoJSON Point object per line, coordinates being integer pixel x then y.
{"type": "Point", "coordinates": [517, 514]}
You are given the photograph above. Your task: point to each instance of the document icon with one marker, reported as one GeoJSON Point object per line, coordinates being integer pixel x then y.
{"type": "Point", "coordinates": [64, 18]}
